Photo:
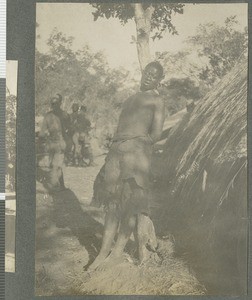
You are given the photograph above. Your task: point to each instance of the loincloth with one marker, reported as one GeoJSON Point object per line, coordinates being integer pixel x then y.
{"type": "Point", "coordinates": [123, 182]}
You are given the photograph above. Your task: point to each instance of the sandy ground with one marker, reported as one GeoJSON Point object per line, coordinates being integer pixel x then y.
{"type": "Point", "coordinates": [68, 238]}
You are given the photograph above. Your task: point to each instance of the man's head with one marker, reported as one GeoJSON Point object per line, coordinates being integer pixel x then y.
{"type": "Point", "coordinates": [75, 107]}
{"type": "Point", "coordinates": [153, 73]}
{"type": "Point", "coordinates": [56, 102]}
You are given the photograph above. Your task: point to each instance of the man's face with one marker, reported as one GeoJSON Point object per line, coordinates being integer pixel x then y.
{"type": "Point", "coordinates": [55, 106]}
{"type": "Point", "coordinates": [150, 78]}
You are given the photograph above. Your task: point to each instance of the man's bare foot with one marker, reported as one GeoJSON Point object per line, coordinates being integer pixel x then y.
{"type": "Point", "coordinates": [110, 262]}
{"type": "Point", "coordinates": [99, 260]}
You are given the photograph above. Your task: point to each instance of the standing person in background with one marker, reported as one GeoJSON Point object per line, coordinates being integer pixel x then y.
{"type": "Point", "coordinates": [66, 128]}
{"type": "Point", "coordinates": [52, 135]}
{"type": "Point", "coordinates": [85, 135]}
{"type": "Point", "coordinates": [73, 120]}
{"type": "Point", "coordinates": [81, 139]}
{"type": "Point", "coordinates": [74, 116]}
{"type": "Point", "coordinates": [75, 133]}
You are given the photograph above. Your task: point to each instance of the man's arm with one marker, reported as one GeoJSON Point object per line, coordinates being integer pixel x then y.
{"type": "Point", "coordinates": [44, 128]}
{"type": "Point", "coordinates": [158, 120]}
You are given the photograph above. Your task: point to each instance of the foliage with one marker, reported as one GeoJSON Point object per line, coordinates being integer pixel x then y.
{"type": "Point", "coordinates": [81, 76]}
{"type": "Point", "coordinates": [160, 19]}
{"type": "Point", "coordinates": [209, 55]}
{"type": "Point", "coordinates": [11, 127]}
{"type": "Point", "coordinates": [10, 141]}
{"type": "Point", "coordinates": [179, 64]}
{"type": "Point", "coordinates": [222, 45]}
{"type": "Point", "coordinates": [177, 91]}
{"type": "Point", "coordinates": [184, 87]}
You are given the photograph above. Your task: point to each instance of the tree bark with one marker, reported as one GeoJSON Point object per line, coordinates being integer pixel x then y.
{"type": "Point", "coordinates": [146, 236]}
{"type": "Point", "coordinates": [143, 28]}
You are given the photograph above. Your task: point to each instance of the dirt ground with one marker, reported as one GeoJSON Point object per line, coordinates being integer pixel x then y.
{"type": "Point", "coordinates": [68, 238]}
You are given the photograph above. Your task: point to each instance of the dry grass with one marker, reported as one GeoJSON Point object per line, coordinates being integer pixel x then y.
{"type": "Point", "coordinates": [162, 275]}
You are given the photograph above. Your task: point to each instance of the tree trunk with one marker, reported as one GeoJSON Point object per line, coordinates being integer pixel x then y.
{"type": "Point", "coordinates": [143, 28]}
{"type": "Point", "coordinates": [146, 236]}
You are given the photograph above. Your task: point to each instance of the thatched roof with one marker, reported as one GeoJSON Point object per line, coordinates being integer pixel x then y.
{"type": "Point", "coordinates": [204, 171]}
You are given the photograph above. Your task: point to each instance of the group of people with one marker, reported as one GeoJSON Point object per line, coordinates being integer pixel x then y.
{"type": "Point", "coordinates": [65, 139]}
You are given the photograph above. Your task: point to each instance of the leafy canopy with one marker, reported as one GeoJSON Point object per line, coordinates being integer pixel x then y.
{"type": "Point", "coordinates": [222, 45]}
{"type": "Point", "coordinates": [208, 55]}
{"type": "Point", "coordinates": [160, 19]}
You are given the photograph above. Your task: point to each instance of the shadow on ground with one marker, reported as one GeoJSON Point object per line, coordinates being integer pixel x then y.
{"type": "Point", "coordinates": [68, 212]}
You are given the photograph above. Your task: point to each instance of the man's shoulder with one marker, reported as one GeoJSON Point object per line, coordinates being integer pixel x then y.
{"type": "Point", "coordinates": [152, 98]}
{"type": "Point", "coordinates": [48, 117]}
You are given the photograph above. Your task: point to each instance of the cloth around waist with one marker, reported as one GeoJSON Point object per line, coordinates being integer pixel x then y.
{"type": "Point", "coordinates": [131, 144]}
{"type": "Point", "coordinates": [123, 143]}
{"type": "Point", "coordinates": [124, 138]}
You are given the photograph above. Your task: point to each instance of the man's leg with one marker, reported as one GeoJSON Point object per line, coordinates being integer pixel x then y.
{"type": "Point", "coordinates": [68, 151]}
{"type": "Point", "coordinates": [90, 155]}
{"type": "Point", "coordinates": [77, 148]}
{"type": "Point", "coordinates": [56, 179]}
{"type": "Point", "coordinates": [110, 229]}
{"type": "Point", "coordinates": [54, 183]}
{"type": "Point", "coordinates": [127, 226]}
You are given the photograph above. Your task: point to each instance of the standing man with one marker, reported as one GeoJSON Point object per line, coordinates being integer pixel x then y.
{"type": "Point", "coordinates": [74, 117]}
{"type": "Point", "coordinates": [122, 186]}
{"type": "Point", "coordinates": [81, 138]}
{"type": "Point", "coordinates": [54, 129]}
{"type": "Point", "coordinates": [66, 127]}
{"type": "Point", "coordinates": [70, 151]}
{"type": "Point", "coordinates": [85, 127]}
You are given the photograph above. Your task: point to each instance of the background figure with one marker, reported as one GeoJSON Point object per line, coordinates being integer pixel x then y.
{"type": "Point", "coordinates": [51, 135]}
{"type": "Point", "coordinates": [66, 128]}
{"type": "Point", "coordinates": [73, 129]}
{"type": "Point", "coordinates": [81, 139]}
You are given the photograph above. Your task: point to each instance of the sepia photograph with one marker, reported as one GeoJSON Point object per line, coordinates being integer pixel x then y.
{"type": "Point", "coordinates": [10, 131]}
{"type": "Point", "coordinates": [141, 149]}
{"type": "Point", "coordinates": [10, 167]}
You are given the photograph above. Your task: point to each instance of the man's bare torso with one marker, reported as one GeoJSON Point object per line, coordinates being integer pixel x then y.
{"type": "Point", "coordinates": [52, 126]}
{"type": "Point", "coordinates": [142, 114]}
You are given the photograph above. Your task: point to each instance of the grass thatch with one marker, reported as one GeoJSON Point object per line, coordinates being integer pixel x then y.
{"type": "Point", "coordinates": [204, 176]}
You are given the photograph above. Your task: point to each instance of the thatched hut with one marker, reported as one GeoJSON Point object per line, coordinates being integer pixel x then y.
{"type": "Point", "coordinates": [204, 177]}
